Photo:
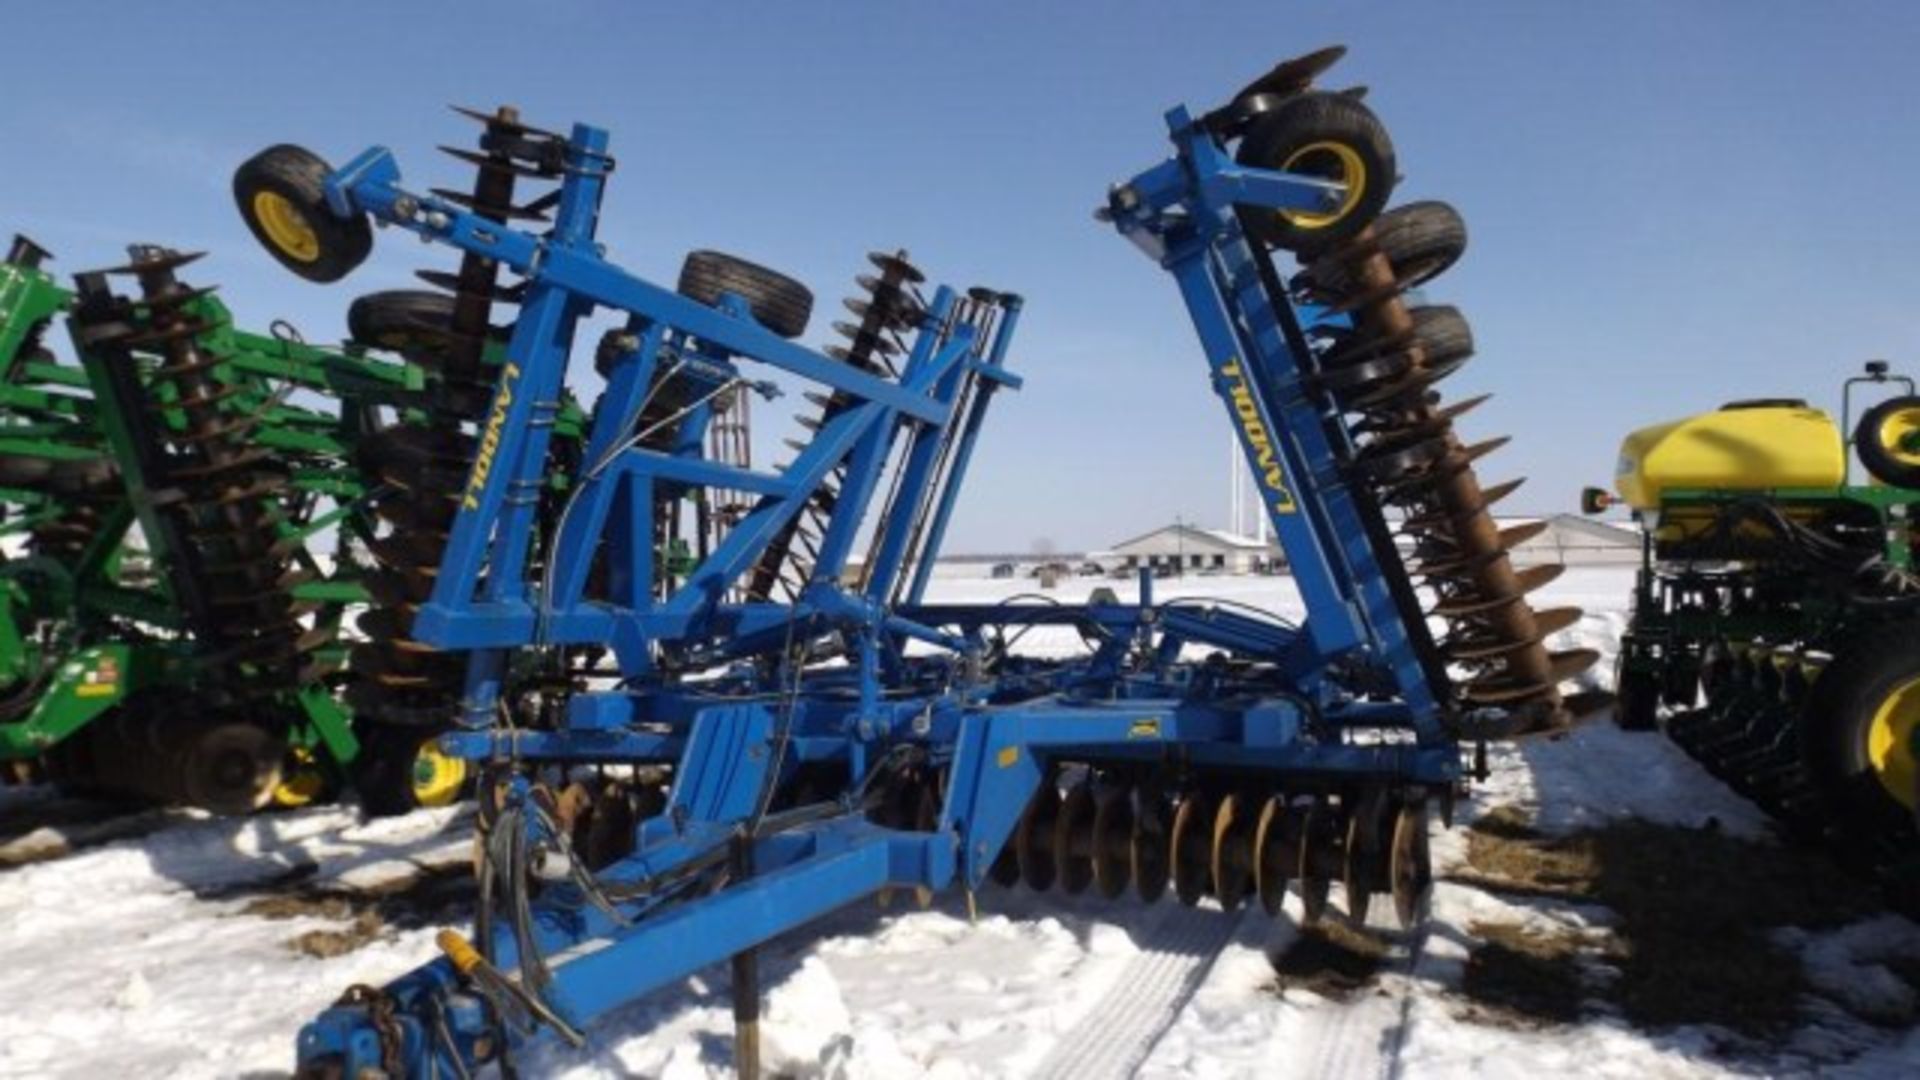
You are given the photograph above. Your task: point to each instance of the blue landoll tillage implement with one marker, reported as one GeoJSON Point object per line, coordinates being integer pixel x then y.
{"type": "Point", "coordinates": [771, 748]}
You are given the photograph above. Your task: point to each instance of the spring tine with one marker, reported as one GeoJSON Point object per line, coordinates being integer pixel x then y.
{"type": "Point", "coordinates": [896, 267]}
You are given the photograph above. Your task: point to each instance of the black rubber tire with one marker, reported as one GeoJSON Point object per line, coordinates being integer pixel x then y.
{"type": "Point", "coordinates": [1885, 465]}
{"type": "Point", "coordinates": [382, 773]}
{"type": "Point", "coordinates": [780, 303]}
{"type": "Point", "coordinates": [1636, 698]}
{"type": "Point", "coordinates": [1443, 334]}
{"type": "Point", "coordinates": [1840, 710]}
{"type": "Point", "coordinates": [298, 176]}
{"type": "Point", "coordinates": [414, 323]}
{"type": "Point", "coordinates": [1421, 239]}
{"type": "Point", "coordinates": [1296, 126]}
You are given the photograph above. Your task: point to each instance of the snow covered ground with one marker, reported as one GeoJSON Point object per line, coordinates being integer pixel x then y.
{"type": "Point", "coordinates": [188, 947]}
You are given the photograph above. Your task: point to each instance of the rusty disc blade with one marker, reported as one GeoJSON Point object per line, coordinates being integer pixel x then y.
{"type": "Point", "coordinates": [1396, 465]}
{"type": "Point", "coordinates": [1112, 841]}
{"type": "Point", "coordinates": [1275, 852]}
{"type": "Point", "coordinates": [1190, 849]}
{"type": "Point", "coordinates": [1356, 875]}
{"type": "Point", "coordinates": [1295, 75]}
{"type": "Point", "coordinates": [492, 163]}
{"type": "Point", "coordinates": [161, 259]}
{"type": "Point", "coordinates": [1316, 829]}
{"type": "Point", "coordinates": [1410, 867]}
{"type": "Point", "coordinates": [1072, 840]}
{"type": "Point", "coordinates": [1528, 578]}
{"type": "Point", "coordinates": [1514, 535]}
{"type": "Point", "coordinates": [1148, 848]}
{"type": "Point", "coordinates": [1231, 863]}
{"type": "Point", "coordinates": [1033, 840]}
{"type": "Point", "coordinates": [895, 267]}
{"type": "Point", "coordinates": [1445, 518]}
{"type": "Point", "coordinates": [1501, 688]}
{"type": "Point", "coordinates": [1471, 454]}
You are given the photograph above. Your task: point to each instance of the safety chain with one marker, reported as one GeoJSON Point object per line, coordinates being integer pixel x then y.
{"type": "Point", "coordinates": [380, 1011]}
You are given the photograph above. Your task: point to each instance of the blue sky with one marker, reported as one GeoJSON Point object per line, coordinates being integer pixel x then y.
{"type": "Point", "coordinates": [1671, 204]}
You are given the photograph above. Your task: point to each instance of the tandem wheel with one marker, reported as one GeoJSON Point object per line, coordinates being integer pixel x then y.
{"type": "Point", "coordinates": [401, 768]}
{"type": "Point", "coordinates": [1328, 135]}
{"type": "Point", "coordinates": [282, 197]}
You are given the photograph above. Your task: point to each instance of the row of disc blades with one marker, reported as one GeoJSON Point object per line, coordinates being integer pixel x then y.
{"type": "Point", "coordinates": [421, 464]}
{"type": "Point", "coordinates": [1383, 372]}
{"type": "Point", "coordinates": [226, 500]}
{"type": "Point", "coordinates": [224, 491]}
{"type": "Point", "coordinates": [1237, 840]}
{"type": "Point", "coordinates": [886, 310]}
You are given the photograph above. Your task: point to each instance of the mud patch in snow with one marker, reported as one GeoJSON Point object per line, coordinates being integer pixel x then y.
{"type": "Point", "coordinates": [434, 895]}
{"type": "Point", "coordinates": [1331, 959]}
{"type": "Point", "coordinates": [1525, 975]}
{"type": "Point", "coordinates": [1711, 931]}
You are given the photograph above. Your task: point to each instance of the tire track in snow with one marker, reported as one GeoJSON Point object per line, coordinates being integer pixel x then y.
{"type": "Point", "coordinates": [1362, 1039]}
{"type": "Point", "coordinates": [1120, 1031]}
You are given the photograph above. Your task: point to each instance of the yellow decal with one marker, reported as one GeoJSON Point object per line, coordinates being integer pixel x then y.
{"type": "Point", "coordinates": [490, 438]}
{"type": "Point", "coordinates": [1145, 729]}
{"type": "Point", "coordinates": [95, 689]}
{"type": "Point", "coordinates": [1266, 459]}
{"type": "Point", "coordinates": [1008, 757]}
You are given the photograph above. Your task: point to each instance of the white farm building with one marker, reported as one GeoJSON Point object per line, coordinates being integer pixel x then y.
{"type": "Point", "coordinates": [1189, 549]}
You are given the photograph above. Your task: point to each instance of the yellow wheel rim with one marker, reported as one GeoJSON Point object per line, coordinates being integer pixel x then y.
{"type": "Point", "coordinates": [437, 777]}
{"type": "Point", "coordinates": [1900, 435]}
{"type": "Point", "coordinates": [1330, 161]}
{"type": "Point", "coordinates": [301, 782]}
{"type": "Point", "coordinates": [1890, 743]}
{"type": "Point", "coordinates": [286, 226]}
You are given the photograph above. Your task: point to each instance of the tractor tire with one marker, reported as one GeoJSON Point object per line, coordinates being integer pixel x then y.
{"type": "Point", "coordinates": [1331, 136]}
{"type": "Point", "coordinates": [400, 770]}
{"type": "Point", "coordinates": [414, 323]}
{"type": "Point", "coordinates": [1421, 239]}
{"type": "Point", "coordinates": [1862, 712]}
{"type": "Point", "coordinates": [1888, 440]}
{"type": "Point", "coordinates": [281, 192]}
{"type": "Point", "coordinates": [778, 302]}
{"type": "Point", "coordinates": [231, 769]}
